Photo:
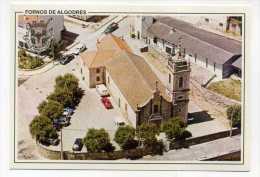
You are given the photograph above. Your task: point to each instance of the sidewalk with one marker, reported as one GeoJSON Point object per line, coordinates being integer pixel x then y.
{"type": "Point", "coordinates": [44, 69]}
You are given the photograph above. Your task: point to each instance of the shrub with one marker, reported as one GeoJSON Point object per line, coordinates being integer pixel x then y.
{"type": "Point", "coordinates": [234, 114]}
{"type": "Point", "coordinates": [109, 147]}
{"type": "Point", "coordinates": [51, 109]}
{"type": "Point", "coordinates": [96, 140]}
{"type": "Point", "coordinates": [147, 132]}
{"type": "Point", "coordinates": [156, 147]}
{"type": "Point", "coordinates": [124, 134]}
{"type": "Point", "coordinates": [175, 128]}
{"type": "Point", "coordinates": [129, 144]}
{"type": "Point", "coordinates": [41, 128]}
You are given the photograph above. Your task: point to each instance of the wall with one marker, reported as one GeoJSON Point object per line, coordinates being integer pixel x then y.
{"type": "Point", "coordinates": [68, 155]}
{"type": "Point", "coordinates": [93, 76]}
{"type": "Point", "coordinates": [115, 92]}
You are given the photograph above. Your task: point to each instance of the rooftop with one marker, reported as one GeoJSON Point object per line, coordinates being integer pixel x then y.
{"type": "Point", "coordinates": [134, 78]}
{"type": "Point", "coordinates": [195, 41]}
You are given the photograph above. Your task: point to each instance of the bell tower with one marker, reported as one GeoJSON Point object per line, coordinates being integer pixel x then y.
{"type": "Point", "coordinates": [178, 85]}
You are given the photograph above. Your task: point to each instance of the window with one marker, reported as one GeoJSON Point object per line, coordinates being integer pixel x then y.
{"type": "Point", "coordinates": [97, 70]}
{"type": "Point", "coordinates": [168, 50]}
{"type": "Point", "coordinates": [195, 56]}
{"type": "Point", "coordinates": [170, 78]}
{"type": "Point", "coordinates": [206, 20]}
{"type": "Point", "coordinates": [98, 79]}
{"type": "Point", "coordinates": [180, 82]}
{"type": "Point", "coordinates": [125, 107]}
{"type": "Point", "coordinates": [155, 109]}
{"type": "Point", "coordinates": [206, 62]}
{"type": "Point", "coordinates": [214, 67]}
{"type": "Point", "coordinates": [155, 40]}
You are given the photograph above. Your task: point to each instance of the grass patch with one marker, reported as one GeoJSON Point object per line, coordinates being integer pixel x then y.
{"type": "Point", "coordinates": [27, 61]}
{"type": "Point", "coordinates": [229, 87]}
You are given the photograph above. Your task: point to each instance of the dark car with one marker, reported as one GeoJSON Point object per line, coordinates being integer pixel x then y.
{"type": "Point", "coordinates": [62, 121]}
{"type": "Point", "coordinates": [50, 141]}
{"type": "Point", "coordinates": [78, 144]}
{"type": "Point", "coordinates": [112, 27]}
{"type": "Point", "coordinates": [66, 59]}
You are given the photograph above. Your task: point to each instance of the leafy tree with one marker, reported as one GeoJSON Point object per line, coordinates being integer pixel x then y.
{"type": "Point", "coordinates": [41, 106]}
{"type": "Point", "coordinates": [68, 82]}
{"type": "Point", "coordinates": [63, 97]}
{"type": "Point", "coordinates": [124, 134]}
{"type": "Point", "coordinates": [234, 114]}
{"type": "Point", "coordinates": [175, 128]}
{"type": "Point", "coordinates": [96, 140]}
{"type": "Point", "coordinates": [148, 132]}
{"type": "Point", "coordinates": [41, 128]}
{"type": "Point", "coordinates": [52, 109]}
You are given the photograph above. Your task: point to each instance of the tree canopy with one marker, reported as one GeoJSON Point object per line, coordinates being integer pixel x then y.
{"type": "Point", "coordinates": [148, 132]}
{"type": "Point", "coordinates": [51, 109]}
{"type": "Point", "coordinates": [41, 128]}
{"type": "Point", "coordinates": [175, 128]}
{"type": "Point", "coordinates": [124, 136]}
{"type": "Point", "coordinates": [97, 140]}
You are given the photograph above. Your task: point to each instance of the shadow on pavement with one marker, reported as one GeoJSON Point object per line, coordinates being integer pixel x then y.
{"type": "Point", "coordinates": [198, 117]}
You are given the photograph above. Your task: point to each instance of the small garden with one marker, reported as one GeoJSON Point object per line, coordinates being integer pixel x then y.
{"type": "Point", "coordinates": [230, 88]}
{"type": "Point", "coordinates": [67, 93]}
{"type": "Point", "coordinates": [27, 61]}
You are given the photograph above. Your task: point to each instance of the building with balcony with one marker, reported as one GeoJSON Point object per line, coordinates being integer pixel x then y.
{"type": "Point", "coordinates": [36, 33]}
{"type": "Point", "coordinates": [136, 89]}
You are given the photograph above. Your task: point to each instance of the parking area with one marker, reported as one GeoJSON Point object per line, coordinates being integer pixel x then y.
{"type": "Point", "coordinates": [90, 113]}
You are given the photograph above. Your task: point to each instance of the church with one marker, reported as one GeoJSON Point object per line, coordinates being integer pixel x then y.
{"type": "Point", "coordinates": [136, 89]}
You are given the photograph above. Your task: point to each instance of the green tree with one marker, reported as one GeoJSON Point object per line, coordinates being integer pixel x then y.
{"type": "Point", "coordinates": [63, 97]}
{"type": "Point", "coordinates": [175, 128]}
{"type": "Point", "coordinates": [52, 109]}
{"type": "Point", "coordinates": [124, 136]}
{"type": "Point", "coordinates": [97, 140]}
{"type": "Point", "coordinates": [234, 114]}
{"type": "Point", "coordinates": [41, 128]}
{"type": "Point", "coordinates": [68, 82]}
{"type": "Point", "coordinates": [148, 132]}
{"type": "Point", "coordinates": [41, 106]}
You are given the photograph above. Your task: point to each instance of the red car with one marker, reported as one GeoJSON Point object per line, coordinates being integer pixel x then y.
{"type": "Point", "coordinates": [106, 102]}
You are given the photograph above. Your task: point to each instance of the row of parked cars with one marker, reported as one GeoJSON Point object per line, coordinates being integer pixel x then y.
{"type": "Point", "coordinates": [70, 55]}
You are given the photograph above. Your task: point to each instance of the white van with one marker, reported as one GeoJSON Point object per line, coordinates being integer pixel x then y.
{"type": "Point", "coordinates": [102, 90]}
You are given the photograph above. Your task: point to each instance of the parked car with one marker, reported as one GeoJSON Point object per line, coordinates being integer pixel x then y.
{"type": "Point", "coordinates": [102, 90]}
{"type": "Point", "coordinates": [119, 121]}
{"type": "Point", "coordinates": [78, 144]}
{"type": "Point", "coordinates": [106, 102]}
{"type": "Point", "coordinates": [50, 141]}
{"type": "Point", "coordinates": [78, 49]}
{"type": "Point", "coordinates": [66, 59]}
{"type": "Point", "coordinates": [112, 27]}
{"type": "Point", "coordinates": [67, 111]}
{"type": "Point", "coordinates": [63, 121]}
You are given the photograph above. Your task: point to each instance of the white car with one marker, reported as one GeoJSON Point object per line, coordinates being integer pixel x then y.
{"type": "Point", "coordinates": [119, 121]}
{"type": "Point", "coordinates": [102, 90]}
{"type": "Point", "coordinates": [78, 48]}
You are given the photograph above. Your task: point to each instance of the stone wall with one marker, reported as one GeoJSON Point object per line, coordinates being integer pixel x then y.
{"type": "Point", "coordinates": [203, 139]}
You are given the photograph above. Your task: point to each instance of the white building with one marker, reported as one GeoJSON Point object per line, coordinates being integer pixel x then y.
{"type": "Point", "coordinates": [214, 52]}
{"type": "Point", "coordinates": [36, 32]}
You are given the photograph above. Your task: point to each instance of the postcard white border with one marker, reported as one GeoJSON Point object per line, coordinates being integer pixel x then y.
{"type": "Point", "coordinates": [140, 165]}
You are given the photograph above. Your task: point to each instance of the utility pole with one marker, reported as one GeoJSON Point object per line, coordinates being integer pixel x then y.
{"type": "Point", "coordinates": [231, 123]}
{"type": "Point", "coordinates": [61, 145]}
